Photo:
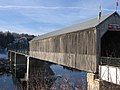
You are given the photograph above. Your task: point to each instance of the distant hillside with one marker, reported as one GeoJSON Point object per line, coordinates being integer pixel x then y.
{"type": "Point", "coordinates": [7, 38]}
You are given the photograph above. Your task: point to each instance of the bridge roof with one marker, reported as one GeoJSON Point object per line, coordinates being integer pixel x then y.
{"type": "Point", "coordinates": [77, 27]}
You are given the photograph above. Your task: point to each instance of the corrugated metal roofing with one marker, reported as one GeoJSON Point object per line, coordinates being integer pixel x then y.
{"type": "Point", "coordinates": [77, 27]}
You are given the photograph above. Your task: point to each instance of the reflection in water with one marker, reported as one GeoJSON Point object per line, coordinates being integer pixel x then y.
{"type": "Point", "coordinates": [8, 82]}
{"type": "Point", "coordinates": [40, 76]}
{"type": "Point", "coordinates": [43, 76]}
{"type": "Point", "coordinates": [49, 76]}
{"type": "Point", "coordinates": [46, 76]}
{"type": "Point", "coordinates": [71, 79]}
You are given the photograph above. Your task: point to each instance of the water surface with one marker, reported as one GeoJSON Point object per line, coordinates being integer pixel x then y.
{"type": "Point", "coordinates": [44, 76]}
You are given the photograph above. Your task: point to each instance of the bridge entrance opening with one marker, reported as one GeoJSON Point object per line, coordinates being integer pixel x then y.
{"type": "Point", "coordinates": [110, 44]}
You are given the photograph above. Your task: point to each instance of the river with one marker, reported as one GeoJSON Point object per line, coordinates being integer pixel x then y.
{"type": "Point", "coordinates": [46, 76]}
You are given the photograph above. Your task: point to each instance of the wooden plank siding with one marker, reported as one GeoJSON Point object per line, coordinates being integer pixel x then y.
{"type": "Point", "coordinates": [77, 46]}
{"type": "Point", "coordinates": [103, 27]}
{"type": "Point", "coordinates": [75, 49]}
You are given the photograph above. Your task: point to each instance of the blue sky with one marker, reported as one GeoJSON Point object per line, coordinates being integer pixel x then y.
{"type": "Point", "coordinates": [42, 16]}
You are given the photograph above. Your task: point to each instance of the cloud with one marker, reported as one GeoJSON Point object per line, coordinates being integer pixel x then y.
{"type": "Point", "coordinates": [43, 7]}
{"type": "Point", "coordinates": [19, 30]}
{"type": "Point", "coordinates": [6, 26]}
{"type": "Point", "coordinates": [41, 16]}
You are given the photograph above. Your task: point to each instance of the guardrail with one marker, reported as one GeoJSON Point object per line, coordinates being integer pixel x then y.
{"type": "Point", "coordinates": [111, 61]}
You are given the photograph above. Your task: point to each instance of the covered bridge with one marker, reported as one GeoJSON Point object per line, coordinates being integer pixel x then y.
{"type": "Point", "coordinates": [82, 45]}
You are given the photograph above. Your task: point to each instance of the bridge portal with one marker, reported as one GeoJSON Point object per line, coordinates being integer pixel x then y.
{"type": "Point", "coordinates": [110, 44]}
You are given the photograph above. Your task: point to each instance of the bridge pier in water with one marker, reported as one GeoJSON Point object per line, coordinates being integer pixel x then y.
{"type": "Point", "coordinates": [19, 65]}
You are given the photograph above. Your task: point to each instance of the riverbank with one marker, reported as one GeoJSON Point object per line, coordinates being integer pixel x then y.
{"type": "Point", "coordinates": [7, 80]}
{"type": "Point", "coordinates": [3, 54]}
{"type": "Point", "coordinates": [4, 63]}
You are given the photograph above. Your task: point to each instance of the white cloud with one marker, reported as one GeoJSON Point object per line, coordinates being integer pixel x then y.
{"type": "Point", "coordinates": [43, 7]}
{"type": "Point", "coordinates": [57, 12]}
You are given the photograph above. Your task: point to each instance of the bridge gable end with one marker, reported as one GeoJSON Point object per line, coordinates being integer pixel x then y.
{"type": "Point", "coordinates": [111, 23]}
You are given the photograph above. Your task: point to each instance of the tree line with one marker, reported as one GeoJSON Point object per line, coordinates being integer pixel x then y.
{"type": "Point", "coordinates": [14, 40]}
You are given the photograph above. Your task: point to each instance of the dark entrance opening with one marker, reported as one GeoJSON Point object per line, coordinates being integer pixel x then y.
{"type": "Point", "coordinates": [110, 44]}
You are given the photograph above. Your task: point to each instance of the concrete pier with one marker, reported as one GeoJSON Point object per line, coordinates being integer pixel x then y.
{"type": "Point", "coordinates": [92, 83]}
{"type": "Point", "coordinates": [19, 65]}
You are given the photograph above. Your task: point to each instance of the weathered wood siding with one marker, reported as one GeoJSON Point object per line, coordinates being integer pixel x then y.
{"type": "Point", "coordinates": [75, 49]}
{"type": "Point", "coordinates": [102, 28]}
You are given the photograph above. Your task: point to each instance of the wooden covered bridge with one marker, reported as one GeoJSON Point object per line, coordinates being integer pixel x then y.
{"type": "Point", "coordinates": [80, 46]}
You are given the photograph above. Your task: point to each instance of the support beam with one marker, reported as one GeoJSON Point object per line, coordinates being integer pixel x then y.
{"type": "Point", "coordinates": [27, 75]}
{"type": "Point", "coordinates": [15, 65]}
{"type": "Point", "coordinates": [10, 59]}
{"type": "Point", "coordinates": [10, 56]}
{"type": "Point", "coordinates": [15, 59]}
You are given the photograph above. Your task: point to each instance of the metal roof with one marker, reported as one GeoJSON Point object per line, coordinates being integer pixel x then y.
{"type": "Point", "coordinates": [77, 27]}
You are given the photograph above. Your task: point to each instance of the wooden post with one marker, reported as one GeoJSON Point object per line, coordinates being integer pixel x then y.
{"type": "Point", "coordinates": [15, 64]}
{"type": "Point", "coordinates": [10, 61]}
{"type": "Point", "coordinates": [27, 83]}
{"type": "Point", "coordinates": [10, 56]}
{"type": "Point", "coordinates": [27, 76]}
{"type": "Point", "coordinates": [100, 72]}
{"type": "Point", "coordinates": [108, 72]}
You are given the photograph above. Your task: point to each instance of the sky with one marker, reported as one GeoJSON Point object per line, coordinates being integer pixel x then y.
{"type": "Point", "coordinates": [37, 17]}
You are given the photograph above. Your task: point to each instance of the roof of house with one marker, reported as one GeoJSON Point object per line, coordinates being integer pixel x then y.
{"type": "Point", "coordinates": [77, 27]}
